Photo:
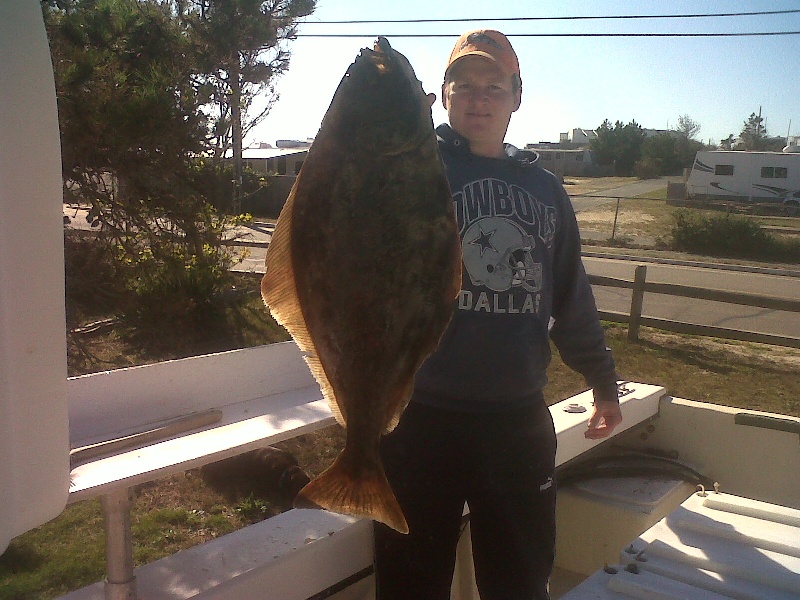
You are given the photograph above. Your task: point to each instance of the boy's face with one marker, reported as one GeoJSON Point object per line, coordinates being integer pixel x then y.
{"type": "Point", "coordinates": [479, 99]}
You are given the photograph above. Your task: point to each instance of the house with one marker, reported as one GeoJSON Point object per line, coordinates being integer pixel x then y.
{"type": "Point", "coordinates": [583, 136]}
{"type": "Point", "coordinates": [561, 161]}
{"type": "Point", "coordinates": [280, 161]}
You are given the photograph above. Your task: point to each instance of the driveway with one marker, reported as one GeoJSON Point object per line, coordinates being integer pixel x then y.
{"type": "Point", "coordinates": [637, 188]}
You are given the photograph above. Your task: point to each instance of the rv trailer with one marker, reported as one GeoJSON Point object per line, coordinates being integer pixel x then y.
{"type": "Point", "coordinates": [746, 176]}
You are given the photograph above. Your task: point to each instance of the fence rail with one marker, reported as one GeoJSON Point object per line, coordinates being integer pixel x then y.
{"type": "Point", "coordinates": [639, 286]}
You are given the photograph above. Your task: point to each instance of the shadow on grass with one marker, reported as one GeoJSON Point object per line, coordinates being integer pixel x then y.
{"type": "Point", "coordinates": [19, 558]}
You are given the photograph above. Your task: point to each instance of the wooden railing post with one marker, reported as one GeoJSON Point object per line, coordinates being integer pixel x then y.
{"type": "Point", "coordinates": [637, 299]}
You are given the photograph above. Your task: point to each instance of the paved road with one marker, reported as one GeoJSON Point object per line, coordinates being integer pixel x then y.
{"type": "Point", "coordinates": [257, 236]}
{"type": "Point", "coordinates": [702, 312]}
{"type": "Point", "coordinates": [636, 188]}
{"type": "Point", "coordinates": [687, 310]}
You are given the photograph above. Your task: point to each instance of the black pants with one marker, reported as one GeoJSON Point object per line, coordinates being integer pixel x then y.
{"type": "Point", "coordinates": [503, 465]}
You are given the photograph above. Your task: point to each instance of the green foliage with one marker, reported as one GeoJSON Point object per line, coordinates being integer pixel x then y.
{"type": "Point", "coordinates": [27, 568]}
{"type": "Point", "coordinates": [727, 143]}
{"type": "Point", "coordinates": [175, 289]}
{"type": "Point", "coordinates": [754, 133]}
{"type": "Point", "coordinates": [130, 123]}
{"type": "Point", "coordinates": [649, 167]}
{"type": "Point", "coordinates": [253, 509]}
{"type": "Point", "coordinates": [241, 50]}
{"type": "Point", "coordinates": [668, 154]}
{"type": "Point", "coordinates": [754, 136]}
{"type": "Point", "coordinates": [216, 179]}
{"type": "Point", "coordinates": [730, 236]}
{"type": "Point", "coordinates": [93, 287]}
{"type": "Point", "coordinates": [618, 145]}
{"type": "Point", "coordinates": [132, 82]}
{"type": "Point", "coordinates": [688, 127]}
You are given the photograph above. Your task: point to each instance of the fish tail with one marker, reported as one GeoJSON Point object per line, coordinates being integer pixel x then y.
{"type": "Point", "coordinates": [363, 492]}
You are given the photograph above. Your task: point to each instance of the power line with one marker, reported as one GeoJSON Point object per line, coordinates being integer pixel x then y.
{"type": "Point", "coordinates": [566, 18]}
{"type": "Point", "coordinates": [588, 35]}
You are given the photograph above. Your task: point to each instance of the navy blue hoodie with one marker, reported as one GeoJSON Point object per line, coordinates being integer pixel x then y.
{"type": "Point", "coordinates": [521, 266]}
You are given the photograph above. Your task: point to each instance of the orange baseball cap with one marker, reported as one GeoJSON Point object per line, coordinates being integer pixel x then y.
{"type": "Point", "coordinates": [490, 44]}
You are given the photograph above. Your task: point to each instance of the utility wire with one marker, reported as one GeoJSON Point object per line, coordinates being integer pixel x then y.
{"type": "Point", "coordinates": [510, 35]}
{"type": "Point", "coordinates": [568, 18]}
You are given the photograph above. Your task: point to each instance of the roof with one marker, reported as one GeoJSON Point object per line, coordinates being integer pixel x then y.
{"type": "Point", "coordinates": [266, 153]}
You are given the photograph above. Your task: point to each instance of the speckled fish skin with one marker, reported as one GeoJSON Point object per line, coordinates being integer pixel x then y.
{"type": "Point", "coordinates": [364, 267]}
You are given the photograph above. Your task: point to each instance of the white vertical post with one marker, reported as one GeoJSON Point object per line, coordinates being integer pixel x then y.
{"type": "Point", "coordinates": [34, 442]}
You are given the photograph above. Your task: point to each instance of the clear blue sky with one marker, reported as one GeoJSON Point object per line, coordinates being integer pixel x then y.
{"type": "Point", "coordinates": [570, 82]}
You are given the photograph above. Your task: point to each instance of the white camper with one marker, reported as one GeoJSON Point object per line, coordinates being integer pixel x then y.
{"type": "Point", "coordinates": [746, 176]}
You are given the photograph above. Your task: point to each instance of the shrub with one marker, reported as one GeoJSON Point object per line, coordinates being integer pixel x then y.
{"type": "Point", "coordinates": [92, 283]}
{"type": "Point", "coordinates": [730, 236]}
{"type": "Point", "coordinates": [174, 291]}
{"type": "Point", "coordinates": [648, 168]}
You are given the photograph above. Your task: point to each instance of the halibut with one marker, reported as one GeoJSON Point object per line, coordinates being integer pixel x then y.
{"type": "Point", "coordinates": [364, 267]}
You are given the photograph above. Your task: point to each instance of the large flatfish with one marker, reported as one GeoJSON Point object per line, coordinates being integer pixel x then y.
{"type": "Point", "coordinates": [364, 267]}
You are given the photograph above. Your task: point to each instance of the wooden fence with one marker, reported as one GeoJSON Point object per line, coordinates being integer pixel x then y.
{"type": "Point", "coordinates": [640, 285]}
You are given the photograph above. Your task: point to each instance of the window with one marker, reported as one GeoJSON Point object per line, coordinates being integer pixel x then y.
{"type": "Point", "coordinates": [723, 170]}
{"type": "Point", "coordinates": [579, 157]}
{"type": "Point", "coordinates": [774, 172]}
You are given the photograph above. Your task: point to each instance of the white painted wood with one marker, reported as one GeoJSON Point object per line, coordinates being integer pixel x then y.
{"type": "Point", "coordinates": [637, 406]}
{"type": "Point", "coordinates": [649, 586]}
{"type": "Point", "coordinates": [265, 395]}
{"type": "Point", "coordinates": [275, 418]}
{"type": "Point", "coordinates": [33, 415]}
{"type": "Point", "coordinates": [291, 556]}
{"type": "Point", "coordinates": [114, 403]}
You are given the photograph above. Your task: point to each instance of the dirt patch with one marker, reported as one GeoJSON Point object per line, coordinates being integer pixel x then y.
{"type": "Point", "coordinates": [607, 216]}
{"type": "Point", "coordinates": [756, 354]}
{"type": "Point", "coordinates": [576, 186]}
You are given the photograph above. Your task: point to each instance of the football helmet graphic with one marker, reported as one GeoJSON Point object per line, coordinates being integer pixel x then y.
{"type": "Point", "coordinates": [497, 254]}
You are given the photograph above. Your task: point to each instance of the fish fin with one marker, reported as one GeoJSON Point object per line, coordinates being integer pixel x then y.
{"type": "Point", "coordinates": [395, 411]}
{"type": "Point", "coordinates": [279, 292]}
{"type": "Point", "coordinates": [315, 366]}
{"type": "Point", "coordinates": [365, 493]}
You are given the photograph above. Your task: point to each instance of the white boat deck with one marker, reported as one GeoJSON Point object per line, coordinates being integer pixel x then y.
{"type": "Point", "coordinates": [714, 546]}
{"type": "Point", "coordinates": [270, 549]}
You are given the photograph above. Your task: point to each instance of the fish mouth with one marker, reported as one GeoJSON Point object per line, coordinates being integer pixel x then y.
{"type": "Point", "coordinates": [380, 54]}
{"type": "Point", "coordinates": [383, 46]}
{"type": "Point", "coordinates": [385, 59]}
